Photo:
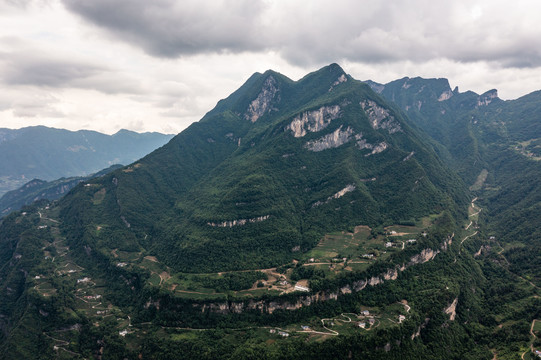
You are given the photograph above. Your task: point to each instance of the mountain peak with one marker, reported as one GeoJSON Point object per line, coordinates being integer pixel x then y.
{"type": "Point", "coordinates": [334, 68]}
{"type": "Point", "coordinates": [488, 97]}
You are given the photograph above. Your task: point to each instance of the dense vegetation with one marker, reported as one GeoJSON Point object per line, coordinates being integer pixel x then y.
{"type": "Point", "coordinates": [87, 277]}
{"type": "Point", "coordinates": [481, 133]}
{"type": "Point", "coordinates": [226, 168]}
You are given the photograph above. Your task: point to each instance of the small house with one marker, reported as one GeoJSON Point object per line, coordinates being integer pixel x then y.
{"type": "Point", "coordinates": [361, 324]}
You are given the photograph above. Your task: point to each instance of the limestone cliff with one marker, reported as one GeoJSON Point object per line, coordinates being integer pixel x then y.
{"type": "Point", "coordinates": [264, 100]}
{"type": "Point", "coordinates": [313, 121]}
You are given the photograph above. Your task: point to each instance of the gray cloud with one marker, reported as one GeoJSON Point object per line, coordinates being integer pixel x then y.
{"type": "Point", "coordinates": [169, 28]}
{"type": "Point", "coordinates": [28, 70]}
{"type": "Point", "coordinates": [33, 68]}
{"type": "Point", "coordinates": [317, 32]}
{"type": "Point", "coordinates": [23, 103]}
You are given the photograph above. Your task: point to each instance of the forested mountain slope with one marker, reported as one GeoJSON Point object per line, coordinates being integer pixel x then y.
{"type": "Point", "coordinates": [265, 174]}
{"type": "Point", "coordinates": [495, 146]}
{"type": "Point", "coordinates": [308, 219]}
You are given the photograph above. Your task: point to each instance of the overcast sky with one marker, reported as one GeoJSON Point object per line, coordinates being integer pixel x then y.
{"type": "Point", "coordinates": [160, 65]}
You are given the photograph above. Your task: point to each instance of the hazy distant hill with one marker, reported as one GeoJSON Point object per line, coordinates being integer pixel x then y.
{"type": "Point", "coordinates": [37, 189]}
{"type": "Point", "coordinates": [48, 154]}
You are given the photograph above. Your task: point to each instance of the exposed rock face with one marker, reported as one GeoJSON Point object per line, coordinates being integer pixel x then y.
{"type": "Point", "coordinates": [409, 156]}
{"type": "Point", "coordinates": [339, 194]}
{"type": "Point", "coordinates": [487, 97]}
{"type": "Point", "coordinates": [391, 274]}
{"type": "Point", "coordinates": [264, 100]}
{"type": "Point", "coordinates": [380, 117]}
{"type": "Point", "coordinates": [313, 121]}
{"type": "Point", "coordinates": [363, 144]}
{"type": "Point", "coordinates": [424, 256]}
{"type": "Point", "coordinates": [306, 300]}
{"type": "Point", "coordinates": [446, 95]}
{"type": "Point", "coordinates": [375, 86]}
{"type": "Point", "coordinates": [340, 80]}
{"type": "Point", "coordinates": [333, 140]}
{"type": "Point", "coordinates": [359, 285]}
{"type": "Point", "coordinates": [238, 222]}
{"type": "Point", "coordinates": [451, 310]}
{"type": "Point", "coordinates": [448, 241]}
{"type": "Point", "coordinates": [342, 192]}
{"type": "Point", "coordinates": [378, 148]}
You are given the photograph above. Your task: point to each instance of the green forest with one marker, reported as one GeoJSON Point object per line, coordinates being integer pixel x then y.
{"type": "Point", "coordinates": [406, 232]}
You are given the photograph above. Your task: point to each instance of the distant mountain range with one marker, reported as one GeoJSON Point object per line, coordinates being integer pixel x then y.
{"type": "Point", "coordinates": [44, 153]}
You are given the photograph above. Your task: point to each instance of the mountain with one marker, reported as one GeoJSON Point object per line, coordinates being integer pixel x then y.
{"type": "Point", "coordinates": [48, 154]}
{"type": "Point", "coordinates": [310, 219]}
{"type": "Point", "coordinates": [37, 189]}
{"type": "Point", "coordinates": [266, 173]}
{"type": "Point", "coordinates": [495, 146]}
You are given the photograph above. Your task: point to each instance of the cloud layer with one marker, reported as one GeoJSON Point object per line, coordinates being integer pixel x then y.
{"type": "Point", "coordinates": [160, 65]}
{"type": "Point", "coordinates": [318, 32]}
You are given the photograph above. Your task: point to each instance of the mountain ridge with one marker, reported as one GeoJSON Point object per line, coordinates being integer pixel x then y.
{"type": "Point", "coordinates": [292, 213]}
{"type": "Point", "coordinates": [49, 153]}
{"type": "Point", "coordinates": [251, 145]}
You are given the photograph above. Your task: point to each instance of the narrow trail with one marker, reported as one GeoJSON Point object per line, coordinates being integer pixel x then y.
{"type": "Point", "coordinates": [469, 236]}
{"type": "Point", "coordinates": [46, 218]}
{"type": "Point", "coordinates": [473, 208]}
{"type": "Point", "coordinates": [59, 345]}
{"type": "Point", "coordinates": [406, 306]}
{"type": "Point", "coordinates": [333, 332]}
{"type": "Point", "coordinates": [532, 340]}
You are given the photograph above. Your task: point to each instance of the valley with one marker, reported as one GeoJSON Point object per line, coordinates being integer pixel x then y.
{"type": "Point", "coordinates": [59, 273]}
